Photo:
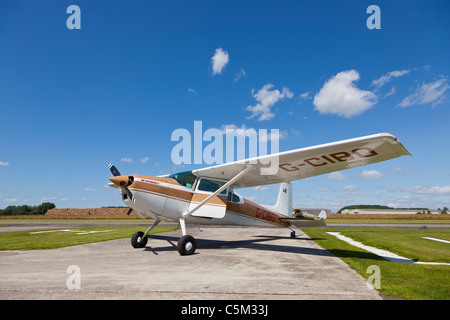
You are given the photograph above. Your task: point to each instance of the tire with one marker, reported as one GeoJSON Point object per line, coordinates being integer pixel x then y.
{"type": "Point", "coordinates": [138, 241]}
{"type": "Point", "coordinates": [293, 234]}
{"type": "Point", "coordinates": [186, 245]}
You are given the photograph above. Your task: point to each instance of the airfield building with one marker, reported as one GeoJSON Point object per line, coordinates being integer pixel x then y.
{"type": "Point", "coordinates": [388, 211]}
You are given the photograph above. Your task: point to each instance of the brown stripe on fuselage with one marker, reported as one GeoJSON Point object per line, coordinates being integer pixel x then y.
{"type": "Point", "coordinates": [163, 190]}
{"type": "Point", "coordinates": [166, 180]}
{"type": "Point", "coordinates": [248, 208]}
{"type": "Point", "coordinates": [255, 211]}
{"type": "Point", "coordinates": [148, 184]}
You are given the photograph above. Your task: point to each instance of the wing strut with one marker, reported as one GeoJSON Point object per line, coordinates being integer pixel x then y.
{"type": "Point", "coordinates": [226, 185]}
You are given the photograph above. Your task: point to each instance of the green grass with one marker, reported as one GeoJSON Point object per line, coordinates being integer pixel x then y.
{"type": "Point", "coordinates": [398, 280]}
{"type": "Point", "coordinates": [27, 240]}
{"type": "Point", "coordinates": [387, 221]}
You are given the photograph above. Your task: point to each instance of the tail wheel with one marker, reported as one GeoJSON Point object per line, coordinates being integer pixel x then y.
{"type": "Point", "coordinates": [186, 245]}
{"type": "Point", "coordinates": [138, 240]}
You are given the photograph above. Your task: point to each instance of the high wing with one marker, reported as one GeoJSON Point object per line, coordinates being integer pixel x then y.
{"type": "Point", "coordinates": [308, 162]}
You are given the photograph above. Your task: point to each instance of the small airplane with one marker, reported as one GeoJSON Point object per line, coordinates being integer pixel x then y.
{"type": "Point", "coordinates": [208, 196]}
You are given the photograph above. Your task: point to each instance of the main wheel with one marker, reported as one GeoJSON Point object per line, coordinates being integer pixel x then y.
{"type": "Point", "coordinates": [138, 240]}
{"type": "Point", "coordinates": [293, 234]}
{"type": "Point", "coordinates": [186, 245]}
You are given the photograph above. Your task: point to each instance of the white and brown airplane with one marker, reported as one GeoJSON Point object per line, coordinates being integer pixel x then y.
{"type": "Point", "coordinates": [207, 196]}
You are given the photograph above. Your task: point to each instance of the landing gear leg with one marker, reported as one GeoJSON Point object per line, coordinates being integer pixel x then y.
{"type": "Point", "coordinates": [139, 239]}
{"type": "Point", "coordinates": [186, 245]}
{"type": "Point", "coordinates": [292, 233]}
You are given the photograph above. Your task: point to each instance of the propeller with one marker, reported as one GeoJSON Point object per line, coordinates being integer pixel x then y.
{"type": "Point", "coordinates": [130, 195]}
{"type": "Point", "coordinates": [114, 170]}
{"type": "Point", "coordinates": [122, 183]}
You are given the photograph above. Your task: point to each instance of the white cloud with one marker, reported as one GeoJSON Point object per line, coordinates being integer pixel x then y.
{"type": "Point", "coordinates": [46, 199]}
{"type": "Point", "coordinates": [126, 160]}
{"type": "Point", "coordinates": [239, 75]}
{"type": "Point", "coordinates": [391, 92]}
{"type": "Point", "coordinates": [371, 174]}
{"type": "Point", "coordinates": [144, 160]}
{"type": "Point", "coordinates": [350, 195]}
{"type": "Point", "coordinates": [403, 171]}
{"type": "Point", "coordinates": [306, 95]}
{"type": "Point", "coordinates": [11, 200]}
{"type": "Point", "coordinates": [340, 96]}
{"type": "Point", "coordinates": [433, 92]}
{"type": "Point", "coordinates": [280, 134]}
{"type": "Point", "coordinates": [267, 98]}
{"type": "Point", "coordinates": [192, 91]}
{"type": "Point", "coordinates": [244, 131]}
{"type": "Point", "coordinates": [89, 189]}
{"type": "Point", "coordinates": [219, 61]}
{"type": "Point", "coordinates": [419, 189]}
{"type": "Point", "coordinates": [4, 164]}
{"type": "Point", "coordinates": [336, 176]}
{"type": "Point", "coordinates": [387, 77]}
{"type": "Point", "coordinates": [238, 131]}
{"type": "Point", "coordinates": [350, 187]}
{"type": "Point", "coordinates": [261, 188]}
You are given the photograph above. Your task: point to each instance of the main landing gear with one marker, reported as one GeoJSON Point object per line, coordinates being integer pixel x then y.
{"type": "Point", "coordinates": [186, 245]}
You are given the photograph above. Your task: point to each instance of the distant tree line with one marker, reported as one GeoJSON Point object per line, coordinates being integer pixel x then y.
{"type": "Point", "coordinates": [370, 206]}
{"type": "Point", "coordinates": [27, 210]}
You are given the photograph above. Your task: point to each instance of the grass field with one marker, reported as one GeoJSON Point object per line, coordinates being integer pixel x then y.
{"type": "Point", "coordinates": [398, 280]}
{"type": "Point", "coordinates": [389, 218]}
{"type": "Point", "coordinates": [49, 239]}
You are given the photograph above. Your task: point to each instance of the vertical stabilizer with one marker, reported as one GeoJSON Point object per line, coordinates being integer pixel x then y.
{"type": "Point", "coordinates": [284, 201]}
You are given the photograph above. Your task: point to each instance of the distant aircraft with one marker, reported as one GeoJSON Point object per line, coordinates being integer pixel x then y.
{"type": "Point", "coordinates": [208, 196]}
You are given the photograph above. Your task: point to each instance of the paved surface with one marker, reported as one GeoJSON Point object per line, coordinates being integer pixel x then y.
{"type": "Point", "coordinates": [29, 226]}
{"type": "Point", "coordinates": [230, 263]}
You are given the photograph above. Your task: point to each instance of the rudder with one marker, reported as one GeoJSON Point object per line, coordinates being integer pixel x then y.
{"type": "Point", "coordinates": [284, 201]}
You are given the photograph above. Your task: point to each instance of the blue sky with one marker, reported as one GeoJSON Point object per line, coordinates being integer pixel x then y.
{"type": "Point", "coordinates": [114, 91]}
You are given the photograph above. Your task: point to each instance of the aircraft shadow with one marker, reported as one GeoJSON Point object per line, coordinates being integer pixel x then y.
{"type": "Point", "coordinates": [258, 243]}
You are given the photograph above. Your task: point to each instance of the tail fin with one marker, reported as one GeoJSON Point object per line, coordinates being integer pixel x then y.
{"type": "Point", "coordinates": [284, 201]}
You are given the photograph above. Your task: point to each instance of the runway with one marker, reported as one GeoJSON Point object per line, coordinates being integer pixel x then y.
{"type": "Point", "coordinates": [29, 226]}
{"type": "Point", "coordinates": [230, 263]}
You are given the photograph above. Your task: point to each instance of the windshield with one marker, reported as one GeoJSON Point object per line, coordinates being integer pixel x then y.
{"type": "Point", "coordinates": [186, 178]}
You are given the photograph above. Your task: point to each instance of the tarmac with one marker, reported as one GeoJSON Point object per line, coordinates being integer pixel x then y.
{"type": "Point", "coordinates": [229, 263]}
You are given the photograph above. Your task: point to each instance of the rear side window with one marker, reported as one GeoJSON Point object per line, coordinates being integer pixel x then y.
{"type": "Point", "coordinates": [233, 197]}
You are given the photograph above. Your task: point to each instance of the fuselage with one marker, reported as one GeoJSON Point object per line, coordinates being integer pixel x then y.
{"type": "Point", "coordinates": [168, 199]}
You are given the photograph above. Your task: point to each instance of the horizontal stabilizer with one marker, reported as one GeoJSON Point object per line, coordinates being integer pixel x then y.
{"type": "Point", "coordinates": [305, 223]}
{"type": "Point", "coordinates": [307, 220]}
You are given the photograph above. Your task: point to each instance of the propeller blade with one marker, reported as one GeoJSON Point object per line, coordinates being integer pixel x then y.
{"type": "Point", "coordinates": [130, 195]}
{"type": "Point", "coordinates": [114, 170]}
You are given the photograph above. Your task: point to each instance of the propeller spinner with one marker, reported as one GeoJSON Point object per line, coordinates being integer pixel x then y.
{"type": "Point", "coordinates": [121, 181]}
